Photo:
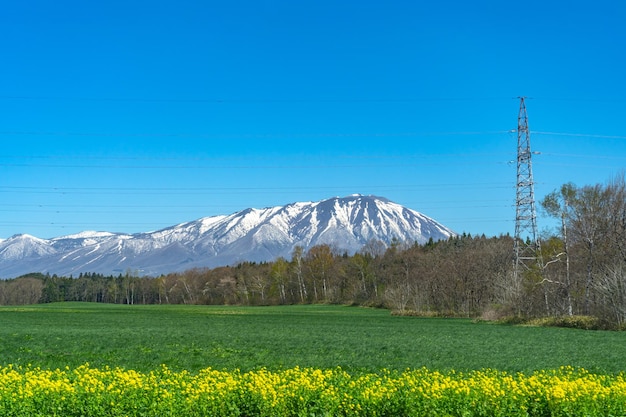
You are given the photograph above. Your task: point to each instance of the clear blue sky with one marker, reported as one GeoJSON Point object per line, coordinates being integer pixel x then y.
{"type": "Point", "coordinates": [133, 116]}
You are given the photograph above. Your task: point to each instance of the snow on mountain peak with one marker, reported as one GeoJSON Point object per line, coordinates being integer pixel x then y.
{"type": "Point", "coordinates": [23, 246]}
{"type": "Point", "coordinates": [346, 223]}
{"type": "Point", "coordinates": [207, 222]}
{"type": "Point", "coordinates": [85, 235]}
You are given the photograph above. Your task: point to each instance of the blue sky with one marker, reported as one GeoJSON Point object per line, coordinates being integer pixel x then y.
{"type": "Point", "coordinates": [132, 116]}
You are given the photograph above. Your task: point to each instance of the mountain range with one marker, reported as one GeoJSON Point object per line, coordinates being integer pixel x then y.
{"type": "Point", "coordinates": [255, 235]}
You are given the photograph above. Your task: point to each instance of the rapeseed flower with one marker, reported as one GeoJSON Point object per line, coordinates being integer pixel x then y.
{"type": "Point", "coordinates": [87, 391]}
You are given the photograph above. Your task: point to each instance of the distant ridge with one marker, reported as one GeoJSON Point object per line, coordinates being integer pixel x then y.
{"type": "Point", "coordinates": [346, 223]}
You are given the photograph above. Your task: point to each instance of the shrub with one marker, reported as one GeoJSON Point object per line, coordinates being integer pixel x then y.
{"type": "Point", "coordinates": [573, 322]}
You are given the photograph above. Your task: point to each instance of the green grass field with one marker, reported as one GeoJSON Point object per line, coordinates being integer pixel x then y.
{"type": "Point", "coordinates": [321, 336]}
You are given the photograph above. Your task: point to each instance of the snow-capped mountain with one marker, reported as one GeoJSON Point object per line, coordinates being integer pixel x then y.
{"type": "Point", "coordinates": [258, 235]}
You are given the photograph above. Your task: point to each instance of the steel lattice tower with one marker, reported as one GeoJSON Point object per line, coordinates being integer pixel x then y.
{"type": "Point", "coordinates": [526, 244]}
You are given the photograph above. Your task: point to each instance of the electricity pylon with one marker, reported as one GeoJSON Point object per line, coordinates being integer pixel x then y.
{"type": "Point", "coordinates": [526, 244]}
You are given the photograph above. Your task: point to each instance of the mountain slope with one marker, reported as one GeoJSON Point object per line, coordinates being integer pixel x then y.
{"type": "Point", "coordinates": [257, 235]}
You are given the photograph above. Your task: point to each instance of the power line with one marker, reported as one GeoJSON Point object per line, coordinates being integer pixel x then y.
{"type": "Point", "coordinates": [586, 156]}
{"type": "Point", "coordinates": [294, 135]}
{"type": "Point", "coordinates": [251, 136]}
{"type": "Point", "coordinates": [240, 190]}
{"type": "Point", "coordinates": [266, 100]}
{"type": "Point", "coordinates": [585, 135]}
{"type": "Point", "coordinates": [245, 162]}
{"type": "Point", "coordinates": [215, 167]}
{"type": "Point", "coordinates": [235, 157]}
{"type": "Point", "coordinates": [216, 162]}
{"type": "Point", "coordinates": [217, 100]}
{"type": "Point", "coordinates": [178, 211]}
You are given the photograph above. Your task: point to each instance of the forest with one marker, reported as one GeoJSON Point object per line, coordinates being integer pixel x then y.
{"type": "Point", "coordinates": [581, 272]}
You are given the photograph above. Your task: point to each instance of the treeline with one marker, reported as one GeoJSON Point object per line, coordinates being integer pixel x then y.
{"type": "Point", "coordinates": [448, 277]}
{"type": "Point", "coordinates": [582, 271]}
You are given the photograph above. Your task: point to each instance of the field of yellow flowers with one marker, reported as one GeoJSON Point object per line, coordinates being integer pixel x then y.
{"type": "Point", "coordinates": [89, 391]}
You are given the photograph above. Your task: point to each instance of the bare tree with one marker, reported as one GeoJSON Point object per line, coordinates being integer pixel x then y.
{"type": "Point", "coordinates": [21, 291]}
{"type": "Point", "coordinates": [298, 254]}
{"type": "Point", "coordinates": [374, 248]}
{"type": "Point", "coordinates": [398, 295]}
{"type": "Point", "coordinates": [280, 277]}
{"type": "Point", "coordinates": [557, 204]}
{"type": "Point", "coordinates": [611, 288]}
{"type": "Point", "coordinates": [361, 265]}
{"type": "Point", "coordinates": [319, 260]}
{"type": "Point", "coordinates": [616, 193]}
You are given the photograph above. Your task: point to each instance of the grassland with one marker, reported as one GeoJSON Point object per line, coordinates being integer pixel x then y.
{"type": "Point", "coordinates": [319, 336]}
